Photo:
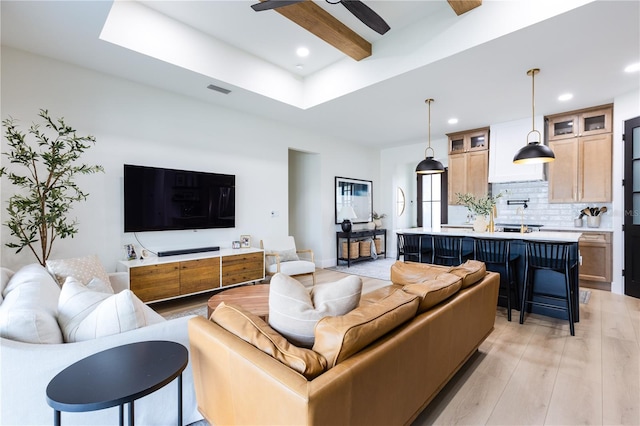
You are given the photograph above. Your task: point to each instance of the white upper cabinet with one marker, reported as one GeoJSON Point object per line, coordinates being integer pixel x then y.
{"type": "Point", "coordinates": [505, 140]}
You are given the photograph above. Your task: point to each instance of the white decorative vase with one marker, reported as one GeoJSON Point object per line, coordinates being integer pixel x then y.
{"type": "Point", "coordinates": [480, 224]}
{"type": "Point", "coordinates": [378, 223]}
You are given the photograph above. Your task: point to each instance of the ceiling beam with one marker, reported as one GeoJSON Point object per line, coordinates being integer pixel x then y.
{"type": "Point", "coordinates": [318, 21]}
{"type": "Point", "coordinates": [463, 6]}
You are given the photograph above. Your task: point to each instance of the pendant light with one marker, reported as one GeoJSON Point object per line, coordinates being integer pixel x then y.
{"type": "Point", "coordinates": [429, 165]}
{"type": "Point", "coordinates": [534, 151]}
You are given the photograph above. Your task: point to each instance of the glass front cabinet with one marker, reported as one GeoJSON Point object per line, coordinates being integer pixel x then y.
{"type": "Point", "coordinates": [583, 123]}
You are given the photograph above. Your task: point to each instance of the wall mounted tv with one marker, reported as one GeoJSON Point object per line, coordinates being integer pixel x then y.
{"type": "Point", "coordinates": [158, 199]}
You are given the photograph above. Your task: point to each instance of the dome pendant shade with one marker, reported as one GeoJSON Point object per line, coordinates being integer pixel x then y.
{"type": "Point", "coordinates": [534, 152]}
{"type": "Point", "coordinates": [429, 165]}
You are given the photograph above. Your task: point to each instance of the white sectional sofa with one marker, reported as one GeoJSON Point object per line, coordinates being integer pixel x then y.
{"type": "Point", "coordinates": [33, 348]}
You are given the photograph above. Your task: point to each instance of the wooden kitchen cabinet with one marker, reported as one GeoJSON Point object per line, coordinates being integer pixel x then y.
{"type": "Point", "coordinates": [583, 167]}
{"type": "Point", "coordinates": [595, 252]}
{"type": "Point", "coordinates": [585, 122]}
{"type": "Point", "coordinates": [468, 163]}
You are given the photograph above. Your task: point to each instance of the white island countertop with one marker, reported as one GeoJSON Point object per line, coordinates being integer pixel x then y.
{"type": "Point", "coordinates": [569, 237]}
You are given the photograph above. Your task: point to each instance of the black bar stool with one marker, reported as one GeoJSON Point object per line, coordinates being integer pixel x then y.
{"type": "Point", "coordinates": [497, 257]}
{"type": "Point", "coordinates": [550, 256]}
{"type": "Point", "coordinates": [448, 250]}
{"type": "Point", "coordinates": [410, 247]}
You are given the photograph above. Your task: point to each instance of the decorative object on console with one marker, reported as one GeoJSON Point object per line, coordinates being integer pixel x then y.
{"type": "Point", "coordinates": [535, 151]}
{"type": "Point", "coordinates": [346, 214]}
{"type": "Point", "coordinates": [245, 241]}
{"type": "Point", "coordinates": [377, 219]}
{"type": "Point", "coordinates": [235, 244]}
{"type": "Point", "coordinates": [429, 165]}
{"type": "Point", "coordinates": [38, 212]}
{"type": "Point", "coordinates": [130, 252]}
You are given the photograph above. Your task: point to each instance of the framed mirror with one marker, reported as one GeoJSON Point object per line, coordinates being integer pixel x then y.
{"type": "Point", "coordinates": [400, 202]}
{"type": "Point", "coordinates": [354, 194]}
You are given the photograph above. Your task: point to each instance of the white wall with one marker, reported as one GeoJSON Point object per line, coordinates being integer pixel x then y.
{"type": "Point", "coordinates": [625, 107]}
{"type": "Point", "coordinates": [138, 124]}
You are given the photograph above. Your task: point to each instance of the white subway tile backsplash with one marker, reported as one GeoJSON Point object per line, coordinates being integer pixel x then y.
{"type": "Point", "coordinates": [538, 211]}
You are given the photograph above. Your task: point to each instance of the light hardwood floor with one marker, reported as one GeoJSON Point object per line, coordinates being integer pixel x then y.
{"type": "Point", "coordinates": [537, 373]}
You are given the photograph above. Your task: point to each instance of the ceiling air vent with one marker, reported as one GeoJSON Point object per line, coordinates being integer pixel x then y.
{"type": "Point", "coordinates": [219, 89]}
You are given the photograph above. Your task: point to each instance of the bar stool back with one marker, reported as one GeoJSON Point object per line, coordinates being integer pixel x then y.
{"type": "Point", "coordinates": [447, 250]}
{"type": "Point", "coordinates": [551, 256]}
{"type": "Point", "coordinates": [497, 257]}
{"type": "Point", "coordinates": [410, 247]}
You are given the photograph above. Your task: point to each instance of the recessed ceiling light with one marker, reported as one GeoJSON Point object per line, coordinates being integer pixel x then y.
{"type": "Point", "coordinates": [453, 121]}
{"type": "Point", "coordinates": [302, 52]}
{"type": "Point", "coordinates": [565, 97]}
{"type": "Point", "coordinates": [633, 67]}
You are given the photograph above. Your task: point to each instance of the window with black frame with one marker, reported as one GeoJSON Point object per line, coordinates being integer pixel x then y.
{"type": "Point", "coordinates": [432, 199]}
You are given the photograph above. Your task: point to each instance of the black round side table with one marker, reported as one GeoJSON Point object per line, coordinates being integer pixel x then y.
{"type": "Point", "coordinates": [118, 376]}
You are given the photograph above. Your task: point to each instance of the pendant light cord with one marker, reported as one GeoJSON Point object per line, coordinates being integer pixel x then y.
{"type": "Point", "coordinates": [428, 102]}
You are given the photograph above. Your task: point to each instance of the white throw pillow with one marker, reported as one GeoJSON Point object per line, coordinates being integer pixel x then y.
{"type": "Point", "coordinates": [83, 269]}
{"type": "Point", "coordinates": [28, 312]}
{"type": "Point", "coordinates": [294, 310]}
{"type": "Point", "coordinates": [85, 314]}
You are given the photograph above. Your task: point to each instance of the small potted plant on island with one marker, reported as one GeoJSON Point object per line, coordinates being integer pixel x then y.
{"type": "Point", "coordinates": [482, 207]}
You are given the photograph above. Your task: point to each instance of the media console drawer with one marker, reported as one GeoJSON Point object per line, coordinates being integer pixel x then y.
{"type": "Point", "coordinates": [241, 268]}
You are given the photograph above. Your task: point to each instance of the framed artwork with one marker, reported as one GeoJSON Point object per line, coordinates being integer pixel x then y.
{"type": "Point", "coordinates": [354, 197]}
{"type": "Point", "coordinates": [130, 252]}
{"type": "Point", "coordinates": [245, 241]}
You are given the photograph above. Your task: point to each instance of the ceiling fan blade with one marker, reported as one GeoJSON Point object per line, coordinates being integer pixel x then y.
{"type": "Point", "coordinates": [273, 4]}
{"type": "Point", "coordinates": [366, 15]}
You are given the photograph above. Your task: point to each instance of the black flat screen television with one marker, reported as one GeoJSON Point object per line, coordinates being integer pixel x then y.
{"type": "Point", "coordinates": [158, 199]}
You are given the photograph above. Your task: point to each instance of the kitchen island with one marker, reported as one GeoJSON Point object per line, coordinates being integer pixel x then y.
{"type": "Point", "coordinates": [547, 281]}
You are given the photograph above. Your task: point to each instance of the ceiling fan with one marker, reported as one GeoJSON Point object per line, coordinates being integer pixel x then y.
{"type": "Point", "coordinates": [360, 10]}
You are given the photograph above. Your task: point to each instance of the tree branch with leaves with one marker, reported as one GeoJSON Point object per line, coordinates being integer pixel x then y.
{"type": "Point", "coordinates": [38, 212]}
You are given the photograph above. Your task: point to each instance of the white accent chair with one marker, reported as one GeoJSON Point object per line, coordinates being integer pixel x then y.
{"type": "Point", "coordinates": [282, 256]}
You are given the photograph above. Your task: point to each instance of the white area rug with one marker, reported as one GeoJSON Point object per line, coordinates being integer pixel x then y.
{"type": "Point", "coordinates": [379, 268]}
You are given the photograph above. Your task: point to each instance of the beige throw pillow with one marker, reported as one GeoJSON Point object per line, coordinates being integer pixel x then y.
{"type": "Point", "coordinates": [294, 309]}
{"type": "Point", "coordinates": [254, 330]}
{"type": "Point", "coordinates": [83, 269]}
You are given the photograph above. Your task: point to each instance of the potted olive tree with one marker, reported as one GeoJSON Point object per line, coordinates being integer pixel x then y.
{"type": "Point", "coordinates": [45, 184]}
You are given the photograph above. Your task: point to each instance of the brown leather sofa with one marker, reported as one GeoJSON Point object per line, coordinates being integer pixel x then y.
{"type": "Point", "coordinates": [388, 382]}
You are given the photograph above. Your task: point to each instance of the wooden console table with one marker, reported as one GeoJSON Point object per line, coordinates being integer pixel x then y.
{"type": "Point", "coordinates": [353, 236]}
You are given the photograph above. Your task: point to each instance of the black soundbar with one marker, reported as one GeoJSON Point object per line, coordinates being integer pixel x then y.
{"type": "Point", "coordinates": [187, 251]}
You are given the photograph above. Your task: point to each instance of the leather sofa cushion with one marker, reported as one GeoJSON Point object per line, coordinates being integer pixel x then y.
{"type": "Point", "coordinates": [254, 330]}
{"type": "Point", "coordinates": [404, 273]}
{"type": "Point", "coordinates": [471, 272]}
{"type": "Point", "coordinates": [338, 338]}
{"type": "Point", "coordinates": [434, 291]}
